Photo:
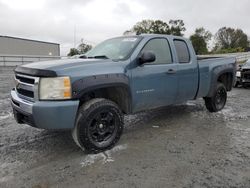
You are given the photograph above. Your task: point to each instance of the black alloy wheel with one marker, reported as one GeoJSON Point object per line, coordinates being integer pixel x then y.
{"type": "Point", "coordinates": [98, 126]}
{"type": "Point", "coordinates": [218, 100]}
{"type": "Point", "coordinates": [103, 127]}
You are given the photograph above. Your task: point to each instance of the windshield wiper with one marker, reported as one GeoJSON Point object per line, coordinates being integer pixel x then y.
{"type": "Point", "coordinates": [98, 57]}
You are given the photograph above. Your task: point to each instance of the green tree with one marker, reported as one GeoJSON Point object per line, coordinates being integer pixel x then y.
{"type": "Point", "coordinates": [149, 26]}
{"type": "Point", "coordinates": [200, 40]}
{"type": "Point", "coordinates": [83, 48]}
{"type": "Point", "coordinates": [230, 38]}
{"type": "Point", "coordinates": [73, 51]}
{"type": "Point", "coordinates": [159, 27]}
{"type": "Point", "coordinates": [175, 27]}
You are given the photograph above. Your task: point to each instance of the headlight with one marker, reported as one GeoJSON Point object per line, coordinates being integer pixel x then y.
{"type": "Point", "coordinates": [238, 74]}
{"type": "Point", "coordinates": [55, 88]}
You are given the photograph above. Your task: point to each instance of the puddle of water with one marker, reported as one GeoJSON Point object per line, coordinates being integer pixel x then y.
{"type": "Point", "coordinates": [5, 115]}
{"type": "Point", "coordinates": [190, 103]}
{"type": "Point", "coordinates": [104, 157]}
{"type": "Point", "coordinates": [5, 112]}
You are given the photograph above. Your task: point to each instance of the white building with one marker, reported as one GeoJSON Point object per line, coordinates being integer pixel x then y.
{"type": "Point", "coordinates": [19, 46]}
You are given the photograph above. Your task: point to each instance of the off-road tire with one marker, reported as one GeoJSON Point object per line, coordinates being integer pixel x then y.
{"type": "Point", "coordinates": [86, 119]}
{"type": "Point", "coordinates": [218, 100]}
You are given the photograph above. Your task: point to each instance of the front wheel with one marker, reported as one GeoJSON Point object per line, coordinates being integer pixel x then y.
{"type": "Point", "coordinates": [218, 100]}
{"type": "Point", "coordinates": [98, 126]}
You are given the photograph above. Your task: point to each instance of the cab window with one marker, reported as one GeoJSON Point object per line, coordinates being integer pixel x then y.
{"type": "Point", "coordinates": [182, 51]}
{"type": "Point", "coordinates": [160, 47]}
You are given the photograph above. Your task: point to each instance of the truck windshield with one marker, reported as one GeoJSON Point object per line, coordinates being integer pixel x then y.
{"type": "Point", "coordinates": [115, 49]}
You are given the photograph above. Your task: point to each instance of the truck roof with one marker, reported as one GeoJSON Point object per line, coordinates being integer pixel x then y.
{"type": "Point", "coordinates": [159, 35]}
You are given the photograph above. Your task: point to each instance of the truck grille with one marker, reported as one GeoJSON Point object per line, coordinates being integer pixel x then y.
{"type": "Point", "coordinates": [26, 86]}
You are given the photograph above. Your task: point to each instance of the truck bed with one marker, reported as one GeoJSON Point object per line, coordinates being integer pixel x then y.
{"type": "Point", "coordinates": [207, 69]}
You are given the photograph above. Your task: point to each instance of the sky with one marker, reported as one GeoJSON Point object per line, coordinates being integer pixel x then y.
{"type": "Point", "coordinates": [68, 22]}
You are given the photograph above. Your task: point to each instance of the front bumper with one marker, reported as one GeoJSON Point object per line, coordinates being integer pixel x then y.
{"type": "Point", "coordinates": [247, 81]}
{"type": "Point", "coordinates": [242, 80]}
{"type": "Point", "coordinates": [44, 114]}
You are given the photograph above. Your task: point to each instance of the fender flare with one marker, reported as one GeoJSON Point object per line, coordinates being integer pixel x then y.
{"type": "Point", "coordinates": [91, 83]}
{"type": "Point", "coordinates": [217, 72]}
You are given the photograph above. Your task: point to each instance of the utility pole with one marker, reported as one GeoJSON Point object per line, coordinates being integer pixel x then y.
{"type": "Point", "coordinates": [75, 36]}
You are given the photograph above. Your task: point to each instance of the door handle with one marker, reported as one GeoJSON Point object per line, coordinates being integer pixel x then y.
{"type": "Point", "coordinates": [171, 71]}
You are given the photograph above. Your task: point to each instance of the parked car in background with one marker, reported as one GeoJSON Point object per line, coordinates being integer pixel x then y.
{"type": "Point", "coordinates": [243, 75]}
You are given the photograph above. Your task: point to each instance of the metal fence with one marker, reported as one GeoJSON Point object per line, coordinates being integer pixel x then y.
{"type": "Point", "coordinates": [14, 60]}
{"type": "Point", "coordinates": [243, 56]}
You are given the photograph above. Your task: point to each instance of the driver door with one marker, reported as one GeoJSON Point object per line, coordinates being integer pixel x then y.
{"type": "Point", "coordinates": [155, 84]}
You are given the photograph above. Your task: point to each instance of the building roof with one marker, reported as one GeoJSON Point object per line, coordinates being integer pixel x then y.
{"type": "Point", "coordinates": [29, 40]}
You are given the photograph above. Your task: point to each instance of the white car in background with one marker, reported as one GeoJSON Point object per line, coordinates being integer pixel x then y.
{"type": "Point", "coordinates": [243, 75]}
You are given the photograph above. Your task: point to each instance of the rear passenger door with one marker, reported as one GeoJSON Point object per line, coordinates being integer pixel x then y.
{"type": "Point", "coordinates": [155, 84]}
{"type": "Point", "coordinates": [187, 71]}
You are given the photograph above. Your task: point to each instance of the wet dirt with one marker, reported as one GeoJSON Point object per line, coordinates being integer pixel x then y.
{"type": "Point", "coordinates": [178, 146]}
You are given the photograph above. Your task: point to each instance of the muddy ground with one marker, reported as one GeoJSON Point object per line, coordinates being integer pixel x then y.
{"type": "Point", "coordinates": [178, 146]}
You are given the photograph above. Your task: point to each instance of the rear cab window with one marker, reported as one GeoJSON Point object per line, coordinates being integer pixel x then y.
{"type": "Point", "coordinates": [182, 51]}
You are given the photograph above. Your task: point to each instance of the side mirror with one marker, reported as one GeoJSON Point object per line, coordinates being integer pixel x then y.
{"type": "Point", "coordinates": [147, 57]}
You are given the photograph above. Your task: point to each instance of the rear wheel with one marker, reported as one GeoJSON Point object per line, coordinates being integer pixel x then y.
{"type": "Point", "coordinates": [99, 125]}
{"type": "Point", "coordinates": [218, 100]}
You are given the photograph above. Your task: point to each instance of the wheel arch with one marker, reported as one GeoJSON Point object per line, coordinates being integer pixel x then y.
{"type": "Point", "coordinates": [117, 93]}
{"type": "Point", "coordinates": [224, 74]}
{"type": "Point", "coordinates": [114, 87]}
{"type": "Point", "coordinates": [227, 79]}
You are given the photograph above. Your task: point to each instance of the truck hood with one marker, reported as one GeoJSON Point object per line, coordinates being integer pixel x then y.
{"type": "Point", "coordinates": [58, 65]}
{"type": "Point", "coordinates": [73, 67]}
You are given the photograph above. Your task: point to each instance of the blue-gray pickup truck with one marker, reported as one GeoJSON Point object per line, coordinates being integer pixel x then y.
{"type": "Point", "coordinates": [123, 75]}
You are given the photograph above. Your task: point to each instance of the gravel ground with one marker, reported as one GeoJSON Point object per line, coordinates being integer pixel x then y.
{"type": "Point", "coordinates": [178, 146]}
